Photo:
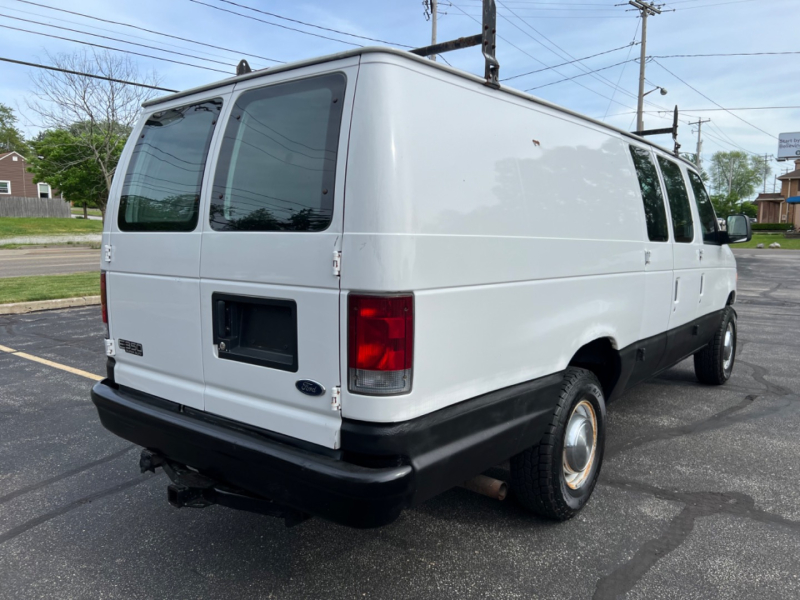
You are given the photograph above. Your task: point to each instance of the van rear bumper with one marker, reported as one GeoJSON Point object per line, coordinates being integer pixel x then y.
{"type": "Point", "coordinates": [380, 469]}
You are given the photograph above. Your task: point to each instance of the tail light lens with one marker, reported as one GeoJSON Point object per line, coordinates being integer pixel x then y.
{"type": "Point", "coordinates": [380, 344]}
{"type": "Point", "coordinates": [104, 300]}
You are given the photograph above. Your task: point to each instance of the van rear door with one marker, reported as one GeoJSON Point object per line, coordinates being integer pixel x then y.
{"type": "Point", "coordinates": [268, 292]}
{"type": "Point", "coordinates": [154, 250]}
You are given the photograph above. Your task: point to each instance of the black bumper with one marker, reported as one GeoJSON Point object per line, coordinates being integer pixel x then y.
{"type": "Point", "coordinates": [380, 469]}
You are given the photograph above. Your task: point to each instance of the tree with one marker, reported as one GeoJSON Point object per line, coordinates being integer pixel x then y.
{"type": "Point", "coordinates": [97, 114]}
{"type": "Point", "coordinates": [737, 175]}
{"type": "Point", "coordinates": [692, 158]}
{"type": "Point", "coordinates": [11, 138]}
{"type": "Point", "coordinates": [65, 160]}
{"type": "Point", "coordinates": [726, 206]}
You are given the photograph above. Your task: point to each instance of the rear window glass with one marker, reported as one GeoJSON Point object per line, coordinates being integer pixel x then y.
{"type": "Point", "coordinates": [654, 211]}
{"type": "Point", "coordinates": [708, 220]}
{"type": "Point", "coordinates": [161, 191]}
{"type": "Point", "coordinates": [682, 222]}
{"type": "Point", "coordinates": [278, 158]}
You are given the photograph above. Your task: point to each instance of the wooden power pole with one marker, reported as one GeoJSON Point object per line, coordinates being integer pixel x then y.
{"type": "Point", "coordinates": [646, 9]}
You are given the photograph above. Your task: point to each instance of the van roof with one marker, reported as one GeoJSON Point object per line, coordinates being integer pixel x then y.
{"type": "Point", "coordinates": [408, 56]}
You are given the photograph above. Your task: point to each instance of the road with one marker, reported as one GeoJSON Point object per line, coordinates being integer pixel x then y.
{"type": "Point", "coordinates": [698, 497]}
{"type": "Point", "coordinates": [48, 261]}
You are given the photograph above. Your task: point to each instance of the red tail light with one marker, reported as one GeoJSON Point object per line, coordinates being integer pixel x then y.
{"type": "Point", "coordinates": [380, 344]}
{"type": "Point", "coordinates": [104, 299]}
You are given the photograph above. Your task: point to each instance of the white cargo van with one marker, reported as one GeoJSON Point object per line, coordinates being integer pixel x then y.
{"type": "Point", "coordinates": [342, 286]}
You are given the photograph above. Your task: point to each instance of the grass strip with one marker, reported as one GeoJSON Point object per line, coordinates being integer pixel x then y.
{"type": "Point", "coordinates": [49, 287]}
{"type": "Point", "coordinates": [22, 226]}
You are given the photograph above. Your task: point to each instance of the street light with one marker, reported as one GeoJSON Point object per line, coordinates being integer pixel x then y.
{"type": "Point", "coordinates": [663, 91]}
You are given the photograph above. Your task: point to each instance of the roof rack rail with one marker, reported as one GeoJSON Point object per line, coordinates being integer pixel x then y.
{"type": "Point", "coordinates": [486, 39]}
{"type": "Point", "coordinates": [673, 130]}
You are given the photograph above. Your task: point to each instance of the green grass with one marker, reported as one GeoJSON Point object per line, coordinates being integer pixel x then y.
{"type": "Point", "coordinates": [19, 226]}
{"type": "Point", "coordinates": [92, 212]}
{"type": "Point", "coordinates": [786, 243]}
{"type": "Point", "coordinates": [49, 287]}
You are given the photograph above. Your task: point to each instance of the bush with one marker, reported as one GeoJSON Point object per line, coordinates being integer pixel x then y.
{"type": "Point", "coordinates": [771, 226]}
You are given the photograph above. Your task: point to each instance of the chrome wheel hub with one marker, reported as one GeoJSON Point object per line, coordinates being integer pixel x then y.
{"type": "Point", "coordinates": [727, 348]}
{"type": "Point", "coordinates": [580, 444]}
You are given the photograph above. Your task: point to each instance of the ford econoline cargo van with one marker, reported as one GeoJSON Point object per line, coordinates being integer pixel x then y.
{"type": "Point", "coordinates": [342, 286]}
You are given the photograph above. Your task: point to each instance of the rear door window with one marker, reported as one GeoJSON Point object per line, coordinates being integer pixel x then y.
{"type": "Point", "coordinates": [682, 222]}
{"type": "Point", "coordinates": [161, 191]}
{"type": "Point", "coordinates": [708, 219]}
{"type": "Point", "coordinates": [654, 211]}
{"type": "Point", "coordinates": [277, 163]}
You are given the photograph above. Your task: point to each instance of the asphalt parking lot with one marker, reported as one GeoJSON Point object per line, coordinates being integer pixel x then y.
{"type": "Point", "coordinates": [699, 495]}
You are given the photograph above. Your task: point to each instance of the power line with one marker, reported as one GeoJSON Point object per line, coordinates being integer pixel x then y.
{"type": "Point", "coordinates": [569, 62]}
{"type": "Point", "coordinates": [57, 37]}
{"type": "Point", "coordinates": [363, 37]}
{"type": "Point", "coordinates": [50, 68]}
{"type": "Point", "coordinates": [252, 18]}
{"type": "Point", "coordinates": [582, 74]}
{"type": "Point", "coordinates": [105, 37]}
{"type": "Point", "coordinates": [712, 102]}
{"type": "Point", "coordinates": [149, 31]}
{"type": "Point", "coordinates": [622, 71]}
{"type": "Point", "coordinates": [721, 54]}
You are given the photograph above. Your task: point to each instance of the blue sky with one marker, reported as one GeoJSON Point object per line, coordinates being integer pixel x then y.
{"type": "Point", "coordinates": [535, 35]}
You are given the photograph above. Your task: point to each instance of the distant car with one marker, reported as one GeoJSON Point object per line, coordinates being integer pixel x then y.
{"type": "Point", "coordinates": [722, 224]}
{"type": "Point", "coordinates": [753, 220]}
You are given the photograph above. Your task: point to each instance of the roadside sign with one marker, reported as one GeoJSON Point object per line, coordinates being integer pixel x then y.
{"type": "Point", "coordinates": [788, 146]}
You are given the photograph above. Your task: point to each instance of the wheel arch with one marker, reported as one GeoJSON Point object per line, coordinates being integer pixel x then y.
{"type": "Point", "coordinates": [601, 357]}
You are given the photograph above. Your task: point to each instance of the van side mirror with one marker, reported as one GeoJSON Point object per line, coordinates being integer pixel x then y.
{"type": "Point", "coordinates": [738, 229]}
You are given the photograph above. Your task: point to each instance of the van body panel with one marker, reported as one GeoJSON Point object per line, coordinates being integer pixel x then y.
{"type": "Point", "coordinates": [296, 266]}
{"type": "Point", "coordinates": [153, 276]}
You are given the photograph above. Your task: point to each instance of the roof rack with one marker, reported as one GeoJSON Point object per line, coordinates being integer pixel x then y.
{"type": "Point", "coordinates": [673, 130]}
{"type": "Point", "coordinates": [486, 39]}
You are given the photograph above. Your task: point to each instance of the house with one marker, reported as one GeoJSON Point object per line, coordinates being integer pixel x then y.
{"type": "Point", "coordinates": [17, 182]}
{"type": "Point", "coordinates": [785, 206]}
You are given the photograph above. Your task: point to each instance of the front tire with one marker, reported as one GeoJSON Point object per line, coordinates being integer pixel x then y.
{"type": "Point", "coordinates": [556, 477]}
{"type": "Point", "coordinates": [713, 364]}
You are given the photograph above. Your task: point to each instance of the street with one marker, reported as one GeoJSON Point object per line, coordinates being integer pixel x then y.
{"type": "Point", "coordinates": [698, 497]}
{"type": "Point", "coordinates": [48, 261]}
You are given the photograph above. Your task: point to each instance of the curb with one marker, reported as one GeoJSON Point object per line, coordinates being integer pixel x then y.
{"type": "Point", "coordinates": [19, 308]}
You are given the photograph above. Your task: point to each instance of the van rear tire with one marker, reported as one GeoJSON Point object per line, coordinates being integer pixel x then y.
{"type": "Point", "coordinates": [713, 364]}
{"type": "Point", "coordinates": [556, 477]}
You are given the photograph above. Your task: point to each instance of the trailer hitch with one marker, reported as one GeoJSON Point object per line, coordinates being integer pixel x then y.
{"type": "Point", "coordinates": [190, 489]}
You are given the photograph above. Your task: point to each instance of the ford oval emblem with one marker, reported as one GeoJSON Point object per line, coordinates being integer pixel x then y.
{"type": "Point", "coordinates": [310, 388]}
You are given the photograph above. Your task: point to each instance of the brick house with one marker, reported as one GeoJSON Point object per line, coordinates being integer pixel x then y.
{"type": "Point", "coordinates": [17, 182]}
{"type": "Point", "coordinates": [785, 206]}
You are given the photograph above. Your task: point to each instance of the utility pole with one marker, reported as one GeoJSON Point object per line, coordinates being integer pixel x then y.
{"type": "Point", "coordinates": [431, 12]}
{"type": "Point", "coordinates": [699, 124]}
{"type": "Point", "coordinates": [646, 9]}
{"type": "Point", "coordinates": [766, 158]}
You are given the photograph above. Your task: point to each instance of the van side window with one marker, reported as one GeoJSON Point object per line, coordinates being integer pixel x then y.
{"type": "Point", "coordinates": [278, 159]}
{"type": "Point", "coordinates": [654, 211]}
{"type": "Point", "coordinates": [161, 191]}
{"type": "Point", "coordinates": [708, 220]}
{"type": "Point", "coordinates": [682, 222]}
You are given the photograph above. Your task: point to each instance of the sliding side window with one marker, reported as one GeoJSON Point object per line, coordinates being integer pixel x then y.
{"type": "Point", "coordinates": [654, 211]}
{"type": "Point", "coordinates": [161, 191]}
{"type": "Point", "coordinates": [277, 164]}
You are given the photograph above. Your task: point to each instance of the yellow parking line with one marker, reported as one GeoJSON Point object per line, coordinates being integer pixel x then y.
{"type": "Point", "coordinates": [50, 363]}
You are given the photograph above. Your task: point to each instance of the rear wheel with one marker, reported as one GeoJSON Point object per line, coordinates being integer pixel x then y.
{"type": "Point", "coordinates": [556, 477]}
{"type": "Point", "coordinates": [713, 364]}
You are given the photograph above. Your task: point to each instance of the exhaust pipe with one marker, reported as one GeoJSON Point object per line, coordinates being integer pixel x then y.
{"type": "Point", "coordinates": [487, 486]}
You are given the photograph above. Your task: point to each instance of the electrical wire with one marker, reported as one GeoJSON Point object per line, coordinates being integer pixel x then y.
{"type": "Point", "coordinates": [57, 37]}
{"type": "Point", "coordinates": [713, 102]}
{"type": "Point", "coordinates": [252, 18]}
{"type": "Point", "coordinates": [581, 74]}
{"type": "Point", "coordinates": [721, 54]}
{"type": "Point", "coordinates": [570, 62]}
{"type": "Point", "coordinates": [355, 35]}
{"type": "Point", "coordinates": [51, 68]}
{"type": "Point", "coordinates": [622, 71]}
{"type": "Point", "coordinates": [150, 31]}
{"type": "Point", "coordinates": [113, 39]}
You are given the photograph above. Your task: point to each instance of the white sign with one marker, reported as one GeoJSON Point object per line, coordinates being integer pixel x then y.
{"type": "Point", "coordinates": [788, 145]}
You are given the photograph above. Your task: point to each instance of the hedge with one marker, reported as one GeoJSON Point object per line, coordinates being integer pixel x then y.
{"type": "Point", "coordinates": [771, 226]}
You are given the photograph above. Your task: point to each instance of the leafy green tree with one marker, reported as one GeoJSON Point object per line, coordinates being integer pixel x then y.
{"type": "Point", "coordinates": [727, 205]}
{"type": "Point", "coordinates": [11, 138]}
{"type": "Point", "coordinates": [64, 158]}
{"type": "Point", "coordinates": [737, 175]}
